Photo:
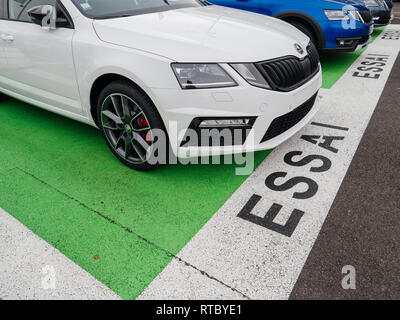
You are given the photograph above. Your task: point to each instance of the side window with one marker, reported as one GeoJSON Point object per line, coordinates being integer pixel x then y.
{"type": "Point", "coordinates": [18, 9]}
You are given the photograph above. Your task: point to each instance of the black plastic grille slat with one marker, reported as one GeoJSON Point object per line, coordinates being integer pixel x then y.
{"type": "Point", "coordinates": [273, 73]}
{"type": "Point", "coordinates": [288, 67]}
{"type": "Point", "coordinates": [366, 15]}
{"type": "Point", "coordinates": [297, 69]}
{"type": "Point", "coordinates": [280, 73]}
{"type": "Point", "coordinates": [288, 120]}
{"type": "Point", "coordinates": [314, 57]}
{"type": "Point", "coordinates": [285, 74]}
{"type": "Point", "coordinates": [289, 73]}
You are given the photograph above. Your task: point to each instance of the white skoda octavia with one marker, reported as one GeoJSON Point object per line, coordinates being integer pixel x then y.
{"type": "Point", "coordinates": [185, 68]}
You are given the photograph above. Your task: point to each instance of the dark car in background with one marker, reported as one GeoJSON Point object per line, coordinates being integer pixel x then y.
{"type": "Point", "coordinates": [381, 10]}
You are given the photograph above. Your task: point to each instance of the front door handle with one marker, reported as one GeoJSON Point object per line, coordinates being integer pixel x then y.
{"type": "Point", "coordinates": [7, 37]}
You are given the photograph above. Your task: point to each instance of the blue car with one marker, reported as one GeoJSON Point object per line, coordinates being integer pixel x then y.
{"type": "Point", "coordinates": [333, 25]}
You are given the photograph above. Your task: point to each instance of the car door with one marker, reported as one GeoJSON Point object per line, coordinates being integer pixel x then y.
{"type": "Point", "coordinates": [39, 61]}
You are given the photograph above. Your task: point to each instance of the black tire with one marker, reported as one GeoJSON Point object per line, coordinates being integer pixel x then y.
{"type": "Point", "coordinates": [3, 97]}
{"type": "Point", "coordinates": [306, 30]}
{"type": "Point", "coordinates": [140, 103]}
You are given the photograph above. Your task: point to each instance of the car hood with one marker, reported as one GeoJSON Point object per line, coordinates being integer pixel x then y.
{"type": "Point", "coordinates": [355, 3]}
{"type": "Point", "coordinates": [204, 34]}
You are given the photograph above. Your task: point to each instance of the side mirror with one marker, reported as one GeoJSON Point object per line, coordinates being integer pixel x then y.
{"type": "Point", "coordinates": [44, 16]}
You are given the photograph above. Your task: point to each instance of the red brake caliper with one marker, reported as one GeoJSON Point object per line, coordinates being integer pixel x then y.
{"type": "Point", "coordinates": [144, 124]}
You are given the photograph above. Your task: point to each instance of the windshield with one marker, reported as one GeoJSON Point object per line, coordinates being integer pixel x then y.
{"type": "Point", "coordinates": [105, 9]}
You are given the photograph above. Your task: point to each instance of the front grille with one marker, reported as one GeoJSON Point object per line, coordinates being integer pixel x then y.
{"type": "Point", "coordinates": [314, 56]}
{"type": "Point", "coordinates": [384, 18]}
{"type": "Point", "coordinates": [366, 16]}
{"type": "Point", "coordinates": [289, 73]}
{"type": "Point", "coordinates": [288, 120]}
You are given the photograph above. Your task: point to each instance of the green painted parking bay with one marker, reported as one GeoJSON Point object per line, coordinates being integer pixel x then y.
{"type": "Point", "coordinates": [59, 179]}
{"type": "Point", "coordinates": [119, 259]}
{"type": "Point", "coordinates": [334, 65]}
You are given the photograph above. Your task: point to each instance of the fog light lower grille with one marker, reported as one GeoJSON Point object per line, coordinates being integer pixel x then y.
{"type": "Point", "coordinates": [218, 123]}
{"type": "Point", "coordinates": [345, 43]}
{"type": "Point", "coordinates": [211, 132]}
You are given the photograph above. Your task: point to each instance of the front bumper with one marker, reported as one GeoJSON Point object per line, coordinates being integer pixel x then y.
{"type": "Point", "coordinates": [355, 38]}
{"type": "Point", "coordinates": [182, 106]}
{"type": "Point", "coordinates": [350, 44]}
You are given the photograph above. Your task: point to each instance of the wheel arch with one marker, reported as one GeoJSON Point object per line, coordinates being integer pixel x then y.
{"type": "Point", "coordinates": [101, 82]}
{"type": "Point", "coordinates": [307, 20]}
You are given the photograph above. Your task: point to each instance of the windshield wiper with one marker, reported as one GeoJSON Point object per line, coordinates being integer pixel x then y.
{"type": "Point", "coordinates": [112, 16]}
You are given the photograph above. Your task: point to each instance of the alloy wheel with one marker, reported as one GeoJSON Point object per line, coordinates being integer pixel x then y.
{"type": "Point", "coordinates": [126, 128]}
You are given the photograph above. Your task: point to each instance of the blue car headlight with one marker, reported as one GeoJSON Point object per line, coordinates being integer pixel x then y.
{"type": "Point", "coordinates": [342, 15]}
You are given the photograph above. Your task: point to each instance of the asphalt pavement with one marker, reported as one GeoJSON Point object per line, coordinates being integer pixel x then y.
{"type": "Point", "coordinates": [396, 11]}
{"type": "Point", "coordinates": [362, 228]}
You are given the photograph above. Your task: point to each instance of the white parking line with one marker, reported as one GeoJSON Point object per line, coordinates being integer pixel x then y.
{"type": "Point", "coordinates": [258, 242]}
{"type": "Point", "coordinates": [32, 269]}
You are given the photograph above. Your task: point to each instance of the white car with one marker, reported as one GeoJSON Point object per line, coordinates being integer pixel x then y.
{"type": "Point", "coordinates": [135, 67]}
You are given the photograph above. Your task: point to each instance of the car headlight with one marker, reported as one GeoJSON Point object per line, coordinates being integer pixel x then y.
{"type": "Point", "coordinates": [341, 15]}
{"type": "Point", "coordinates": [202, 76]}
{"type": "Point", "coordinates": [371, 3]}
{"type": "Point", "coordinates": [251, 74]}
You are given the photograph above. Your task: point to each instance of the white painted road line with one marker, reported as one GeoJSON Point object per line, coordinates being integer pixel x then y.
{"type": "Point", "coordinates": [182, 274]}
{"type": "Point", "coordinates": [260, 239]}
{"type": "Point", "coordinates": [32, 269]}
